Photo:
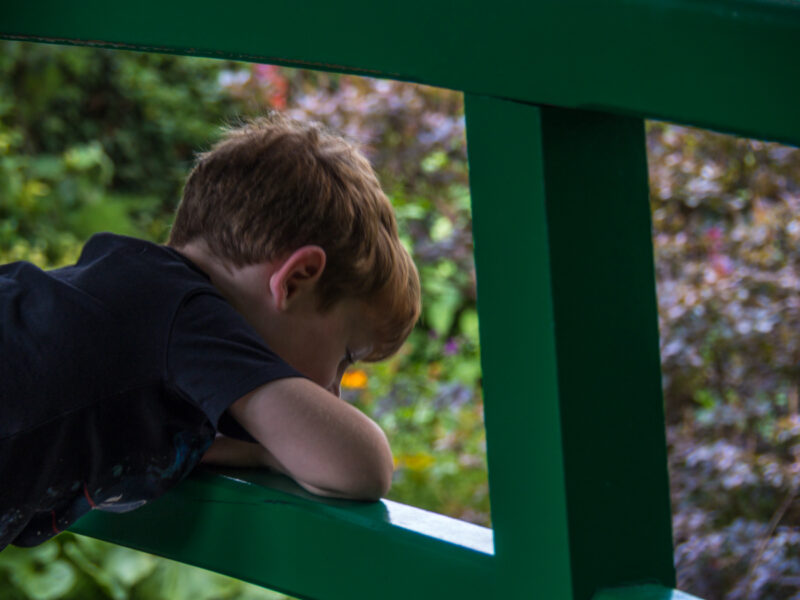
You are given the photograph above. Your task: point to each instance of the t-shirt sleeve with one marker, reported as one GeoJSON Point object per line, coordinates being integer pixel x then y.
{"type": "Point", "coordinates": [214, 357]}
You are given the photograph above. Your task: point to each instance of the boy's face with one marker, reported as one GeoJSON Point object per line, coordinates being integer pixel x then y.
{"type": "Point", "coordinates": [322, 345]}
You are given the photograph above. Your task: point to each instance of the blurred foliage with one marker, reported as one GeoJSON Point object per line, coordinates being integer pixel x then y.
{"type": "Point", "coordinates": [726, 217]}
{"type": "Point", "coordinates": [73, 566]}
{"type": "Point", "coordinates": [96, 140]}
{"type": "Point", "coordinates": [93, 139]}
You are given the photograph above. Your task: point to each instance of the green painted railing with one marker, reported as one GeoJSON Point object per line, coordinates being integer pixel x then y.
{"type": "Point", "coordinates": [265, 529]}
{"type": "Point", "coordinates": [556, 93]}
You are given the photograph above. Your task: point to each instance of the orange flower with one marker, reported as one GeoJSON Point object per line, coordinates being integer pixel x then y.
{"type": "Point", "coordinates": [356, 379]}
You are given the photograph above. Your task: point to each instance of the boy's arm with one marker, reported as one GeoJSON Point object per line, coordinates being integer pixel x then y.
{"type": "Point", "coordinates": [327, 446]}
{"type": "Point", "coordinates": [230, 452]}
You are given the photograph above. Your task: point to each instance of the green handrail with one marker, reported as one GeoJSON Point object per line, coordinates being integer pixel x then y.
{"type": "Point", "coordinates": [263, 528]}
{"type": "Point", "coordinates": [721, 64]}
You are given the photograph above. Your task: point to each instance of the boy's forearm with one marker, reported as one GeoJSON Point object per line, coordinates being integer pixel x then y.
{"type": "Point", "coordinates": [323, 443]}
{"type": "Point", "coordinates": [230, 452]}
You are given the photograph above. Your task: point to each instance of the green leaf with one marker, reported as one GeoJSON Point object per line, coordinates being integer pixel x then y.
{"type": "Point", "coordinates": [45, 581]}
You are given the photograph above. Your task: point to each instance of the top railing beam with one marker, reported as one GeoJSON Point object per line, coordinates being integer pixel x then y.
{"type": "Point", "coordinates": [729, 65]}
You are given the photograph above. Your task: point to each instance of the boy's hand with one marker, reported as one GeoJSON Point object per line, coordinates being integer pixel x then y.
{"type": "Point", "coordinates": [327, 446]}
{"type": "Point", "coordinates": [230, 452]}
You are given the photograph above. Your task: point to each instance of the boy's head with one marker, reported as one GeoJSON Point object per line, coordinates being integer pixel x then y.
{"type": "Point", "coordinates": [275, 185]}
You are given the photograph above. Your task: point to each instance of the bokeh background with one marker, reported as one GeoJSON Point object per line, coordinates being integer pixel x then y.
{"type": "Point", "coordinates": [96, 140]}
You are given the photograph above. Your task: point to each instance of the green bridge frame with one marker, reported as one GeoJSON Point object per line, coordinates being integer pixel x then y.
{"type": "Point", "coordinates": [556, 93]}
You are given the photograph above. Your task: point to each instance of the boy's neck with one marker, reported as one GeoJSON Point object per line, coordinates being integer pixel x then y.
{"type": "Point", "coordinates": [243, 287]}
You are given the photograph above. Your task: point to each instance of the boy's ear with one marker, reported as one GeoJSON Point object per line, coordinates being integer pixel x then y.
{"type": "Point", "coordinates": [297, 276]}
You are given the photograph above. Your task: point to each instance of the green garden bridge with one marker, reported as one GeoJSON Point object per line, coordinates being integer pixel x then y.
{"type": "Point", "coordinates": [556, 94]}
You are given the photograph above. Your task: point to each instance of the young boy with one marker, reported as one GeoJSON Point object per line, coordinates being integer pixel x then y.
{"type": "Point", "coordinates": [283, 267]}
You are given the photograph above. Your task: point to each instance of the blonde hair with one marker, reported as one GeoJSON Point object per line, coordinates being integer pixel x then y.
{"type": "Point", "coordinates": [276, 184]}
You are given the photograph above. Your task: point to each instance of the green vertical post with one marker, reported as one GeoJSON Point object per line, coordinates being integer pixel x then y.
{"type": "Point", "coordinates": [520, 377]}
{"type": "Point", "coordinates": [568, 317]}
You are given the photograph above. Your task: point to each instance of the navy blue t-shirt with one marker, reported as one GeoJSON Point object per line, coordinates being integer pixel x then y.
{"type": "Point", "coordinates": [114, 375]}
